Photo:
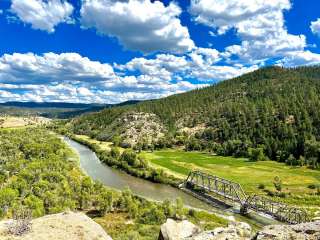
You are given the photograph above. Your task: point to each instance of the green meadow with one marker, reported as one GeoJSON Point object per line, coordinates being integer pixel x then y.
{"type": "Point", "coordinates": [295, 180]}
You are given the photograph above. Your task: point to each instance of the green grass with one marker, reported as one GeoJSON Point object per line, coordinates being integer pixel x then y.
{"type": "Point", "coordinates": [249, 174]}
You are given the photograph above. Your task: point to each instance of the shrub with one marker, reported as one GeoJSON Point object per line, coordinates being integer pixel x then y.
{"type": "Point", "coordinates": [312, 186]}
{"type": "Point", "coordinates": [277, 184]}
{"type": "Point", "coordinates": [256, 154]}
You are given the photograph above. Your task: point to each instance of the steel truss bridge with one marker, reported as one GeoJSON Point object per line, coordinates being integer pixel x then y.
{"type": "Point", "coordinates": [205, 185]}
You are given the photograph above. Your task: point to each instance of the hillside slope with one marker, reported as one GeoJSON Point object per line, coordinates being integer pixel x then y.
{"type": "Point", "coordinates": [273, 109]}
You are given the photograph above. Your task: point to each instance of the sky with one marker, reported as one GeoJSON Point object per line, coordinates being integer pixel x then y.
{"type": "Point", "coordinates": [110, 51]}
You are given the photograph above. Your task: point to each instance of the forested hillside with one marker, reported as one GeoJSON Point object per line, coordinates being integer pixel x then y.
{"type": "Point", "coordinates": [270, 113]}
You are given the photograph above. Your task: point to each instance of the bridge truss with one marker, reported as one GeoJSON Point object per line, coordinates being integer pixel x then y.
{"type": "Point", "coordinates": [203, 183]}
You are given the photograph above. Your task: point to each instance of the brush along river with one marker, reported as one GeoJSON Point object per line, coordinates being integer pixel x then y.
{"type": "Point", "coordinates": [117, 179]}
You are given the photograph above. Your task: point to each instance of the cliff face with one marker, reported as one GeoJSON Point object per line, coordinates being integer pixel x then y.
{"type": "Point", "coordinates": [62, 226]}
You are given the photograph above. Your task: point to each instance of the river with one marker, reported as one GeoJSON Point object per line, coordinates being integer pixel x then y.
{"type": "Point", "coordinates": [117, 179]}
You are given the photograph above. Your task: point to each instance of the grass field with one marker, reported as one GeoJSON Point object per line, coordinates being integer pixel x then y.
{"type": "Point", "coordinates": [249, 174]}
{"type": "Point", "coordinates": [103, 145]}
{"type": "Point", "coordinates": [20, 122]}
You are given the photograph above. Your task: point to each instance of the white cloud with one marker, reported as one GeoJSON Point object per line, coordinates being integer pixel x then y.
{"type": "Point", "coordinates": [205, 56]}
{"type": "Point", "coordinates": [200, 64]}
{"type": "Point", "coordinates": [300, 58]}
{"type": "Point", "coordinates": [138, 24]}
{"type": "Point", "coordinates": [258, 23]}
{"type": "Point", "coordinates": [218, 73]}
{"type": "Point", "coordinates": [43, 15]}
{"type": "Point", "coordinates": [51, 67]}
{"type": "Point", "coordinates": [163, 66]}
{"type": "Point", "coordinates": [224, 15]}
{"type": "Point", "coordinates": [315, 27]}
{"type": "Point", "coordinates": [72, 78]}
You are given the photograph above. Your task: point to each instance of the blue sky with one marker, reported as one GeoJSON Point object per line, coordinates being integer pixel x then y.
{"type": "Point", "coordinates": [111, 51]}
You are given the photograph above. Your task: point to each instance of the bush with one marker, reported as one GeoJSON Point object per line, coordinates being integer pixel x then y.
{"type": "Point", "coordinates": [261, 186]}
{"type": "Point", "coordinates": [312, 186]}
{"type": "Point", "coordinates": [277, 184]}
{"type": "Point", "coordinates": [256, 154]}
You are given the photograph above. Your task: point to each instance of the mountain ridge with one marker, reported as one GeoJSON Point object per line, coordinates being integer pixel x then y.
{"type": "Point", "coordinates": [273, 108]}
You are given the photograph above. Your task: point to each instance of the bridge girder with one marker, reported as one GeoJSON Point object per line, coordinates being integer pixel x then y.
{"type": "Point", "coordinates": [233, 191]}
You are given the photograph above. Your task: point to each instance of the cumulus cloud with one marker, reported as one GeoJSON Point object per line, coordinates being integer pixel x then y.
{"type": "Point", "coordinates": [138, 24]}
{"type": "Point", "coordinates": [199, 64]}
{"type": "Point", "coordinates": [43, 15]}
{"type": "Point", "coordinates": [51, 67]}
{"type": "Point", "coordinates": [72, 78]}
{"type": "Point", "coordinates": [315, 27]}
{"type": "Point", "coordinates": [224, 15]}
{"type": "Point", "coordinates": [258, 23]}
{"type": "Point", "coordinates": [300, 58]}
{"type": "Point", "coordinates": [163, 66]}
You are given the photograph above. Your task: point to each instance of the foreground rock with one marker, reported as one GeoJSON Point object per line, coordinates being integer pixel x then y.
{"type": "Point", "coordinates": [172, 230]}
{"type": "Point", "coordinates": [303, 231]}
{"type": "Point", "coordinates": [235, 231]}
{"type": "Point", "coordinates": [185, 230]}
{"type": "Point", "coordinates": [239, 231]}
{"type": "Point", "coordinates": [62, 226]}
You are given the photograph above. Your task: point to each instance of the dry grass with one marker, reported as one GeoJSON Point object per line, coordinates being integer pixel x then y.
{"type": "Point", "coordinates": [16, 122]}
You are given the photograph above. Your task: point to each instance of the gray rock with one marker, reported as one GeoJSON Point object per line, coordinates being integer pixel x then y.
{"type": "Point", "coordinates": [61, 226]}
{"type": "Point", "coordinates": [172, 230]}
{"type": "Point", "coordinates": [185, 230]}
{"type": "Point", "coordinates": [239, 231]}
{"type": "Point", "coordinates": [303, 231]}
{"type": "Point", "coordinates": [234, 231]}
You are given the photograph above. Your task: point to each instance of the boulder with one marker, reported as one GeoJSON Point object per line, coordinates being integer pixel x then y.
{"type": "Point", "coordinates": [187, 231]}
{"type": "Point", "coordinates": [172, 230]}
{"type": "Point", "coordinates": [62, 226]}
{"type": "Point", "coordinates": [234, 231]}
{"type": "Point", "coordinates": [303, 231]}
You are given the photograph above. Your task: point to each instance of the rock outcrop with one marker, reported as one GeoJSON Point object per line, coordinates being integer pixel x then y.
{"type": "Point", "coordinates": [139, 127]}
{"type": "Point", "coordinates": [185, 230]}
{"type": "Point", "coordinates": [62, 226]}
{"type": "Point", "coordinates": [239, 231]}
{"type": "Point", "coordinates": [303, 231]}
{"type": "Point", "coordinates": [172, 230]}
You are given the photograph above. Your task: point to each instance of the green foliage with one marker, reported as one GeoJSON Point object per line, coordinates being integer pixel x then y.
{"type": "Point", "coordinates": [38, 171]}
{"type": "Point", "coordinates": [256, 154]}
{"type": "Point", "coordinates": [277, 183]}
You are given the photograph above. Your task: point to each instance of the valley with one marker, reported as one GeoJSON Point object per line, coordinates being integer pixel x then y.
{"type": "Point", "coordinates": [159, 120]}
{"type": "Point", "coordinates": [126, 162]}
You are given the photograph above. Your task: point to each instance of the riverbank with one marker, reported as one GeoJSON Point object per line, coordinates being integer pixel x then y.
{"type": "Point", "coordinates": [128, 161]}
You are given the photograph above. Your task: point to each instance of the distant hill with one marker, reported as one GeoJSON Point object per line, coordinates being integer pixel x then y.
{"type": "Point", "coordinates": [50, 105]}
{"type": "Point", "coordinates": [54, 109]}
{"type": "Point", "coordinates": [275, 109]}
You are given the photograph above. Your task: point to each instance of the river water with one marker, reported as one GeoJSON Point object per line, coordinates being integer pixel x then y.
{"type": "Point", "coordinates": [114, 178]}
